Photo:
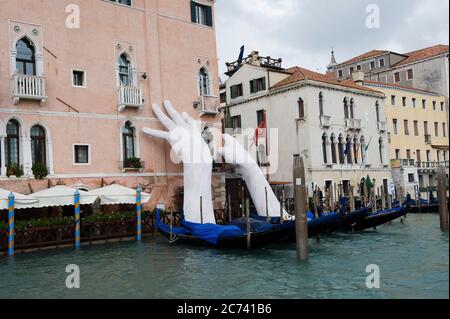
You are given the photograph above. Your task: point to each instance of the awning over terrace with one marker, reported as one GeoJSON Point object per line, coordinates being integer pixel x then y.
{"type": "Point", "coordinates": [61, 196]}
{"type": "Point", "coordinates": [20, 201]}
{"type": "Point", "coordinates": [117, 194]}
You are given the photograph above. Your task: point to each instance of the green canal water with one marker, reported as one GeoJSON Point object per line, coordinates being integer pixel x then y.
{"type": "Point", "coordinates": [413, 258]}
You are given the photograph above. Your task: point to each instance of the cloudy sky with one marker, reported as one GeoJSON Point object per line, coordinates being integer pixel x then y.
{"type": "Point", "coordinates": [302, 32]}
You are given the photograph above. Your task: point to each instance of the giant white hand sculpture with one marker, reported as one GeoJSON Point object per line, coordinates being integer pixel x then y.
{"type": "Point", "coordinates": [234, 153]}
{"type": "Point", "coordinates": [186, 140]}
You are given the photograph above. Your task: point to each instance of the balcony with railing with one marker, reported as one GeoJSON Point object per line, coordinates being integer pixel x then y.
{"type": "Point", "coordinates": [382, 127]}
{"type": "Point", "coordinates": [325, 121]}
{"type": "Point", "coordinates": [28, 87]}
{"type": "Point", "coordinates": [353, 124]}
{"type": "Point", "coordinates": [207, 105]}
{"type": "Point", "coordinates": [403, 163]}
{"type": "Point", "coordinates": [432, 165]}
{"type": "Point", "coordinates": [129, 96]}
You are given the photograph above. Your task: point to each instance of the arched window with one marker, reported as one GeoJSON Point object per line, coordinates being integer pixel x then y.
{"type": "Point", "coordinates": [125, 71]}
{"type": "Point", "coordinates": [38, 151]}
{"type": "Point", "coordinates": [301, 108]}
{"type": "Point", "coordinates": [203, 82]}
{"type": "Point", "coordinates": [12, 143]}
{"type": "Point", "coordinates": [321, 103]}
{"type": "Point", "coordinates": [356, 149]}
{"type": "Point", "coordinates": [377, 108]}
{"type": "Point", "coordinates": [341, 150]}
{"type": "Point", "coordinates": [324, 148]}
{"type": "Point", "coordinates": [128, 141]}
{"type": "Point", "coordinates": [346, 108]}
{"type": "Point", "coordinates": [333, 149]}
{"type": "Point", "coordinates": [352, 111]}
{"type": "Point", "coordinates": [381, 149]}
{"type": "Point", "coordinates": [25, 59]}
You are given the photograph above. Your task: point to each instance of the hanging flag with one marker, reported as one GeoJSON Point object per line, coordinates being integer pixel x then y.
{"type": "Point", "coordinates": [347, 147]}
{"type": "Point", "coordinates": [261, 126]}
{"type": "Point", "coordinates": [241, 55]}
{"type": "Point", "coordinates": [365, 150]}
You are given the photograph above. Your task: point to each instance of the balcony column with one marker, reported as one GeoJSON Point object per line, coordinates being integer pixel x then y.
{"type": "Point", "coordinates": [26, 159]}
{"type": "Point", "coordinates": [39, 57]}
{"type": "Point", "coordinates": [12, 61]}
{"type": "Point", "coordinates": [2, 152]}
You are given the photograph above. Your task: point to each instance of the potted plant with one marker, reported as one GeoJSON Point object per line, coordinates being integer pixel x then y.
{"type": "Point", "coordinates": [40, 171]}
{"type": "Point", "coordinates": [14, 170]}
{"type": "Point", "coordinates": [132, 163]}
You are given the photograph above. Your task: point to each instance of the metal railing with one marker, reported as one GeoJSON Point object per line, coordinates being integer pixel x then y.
{"type": "Point", "coordinates": [382, 126]}
{"type": "Point", "coordinates": [353, 124]}
{"type": "Point", "coordinates": [28, 87]}
{"type": "Point", "coordinates": [325, 120]}
{"type": "Point", "coordinates": [129, 96]}
{"type": "Point", "coordinates": [208, 104]}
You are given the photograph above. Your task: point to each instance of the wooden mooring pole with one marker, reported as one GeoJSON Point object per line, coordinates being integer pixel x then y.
{"type": "Point", "coordinates": [301, 224]}
{"type": "Point", "coordinates": [442, 193]}
{"type": "Point", "coordinates": [351, 199]}
{"type": "Point", "coordinates": [249, 229]}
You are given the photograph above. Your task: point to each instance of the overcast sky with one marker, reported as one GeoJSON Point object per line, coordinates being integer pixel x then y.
{"type": "Point", "coordinates": [302, 32]}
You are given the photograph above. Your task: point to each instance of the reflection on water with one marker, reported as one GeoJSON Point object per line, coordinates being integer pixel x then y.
{"type": "Point", "coordinates": [413, 258]}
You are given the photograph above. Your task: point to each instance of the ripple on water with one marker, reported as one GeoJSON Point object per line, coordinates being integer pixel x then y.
{"type": "Point", "coordinates": [413, 259]}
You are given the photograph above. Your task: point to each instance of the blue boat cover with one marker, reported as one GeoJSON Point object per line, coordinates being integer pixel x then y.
{"type": "Point", "coordinates": [212, 232]}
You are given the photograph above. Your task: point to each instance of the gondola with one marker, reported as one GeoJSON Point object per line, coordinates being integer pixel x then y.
{"type": "Point", "coordinates": [379, 218]}
{"type": "Point", "coordinates": [233, 235]}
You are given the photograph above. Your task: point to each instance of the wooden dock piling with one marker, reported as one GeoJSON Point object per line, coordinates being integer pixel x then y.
{"type": "Point", "coordinates": [301, 224]}
{"type": "Point", "coordinates": [442, 193]}
{"type": "Point", "coordinates": [352, 199]}
{"type": "Point", "coordinates": [247, 214]}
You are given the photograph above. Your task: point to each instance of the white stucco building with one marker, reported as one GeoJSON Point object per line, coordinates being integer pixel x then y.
{"type": "Point", "coordinates": [315, 116]}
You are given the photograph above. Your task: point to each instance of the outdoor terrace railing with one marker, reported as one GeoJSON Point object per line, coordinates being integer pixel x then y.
{"type": "Point", "coordinates": [129, 96]}
{"type": "Point", "coordinates": [30, 87]}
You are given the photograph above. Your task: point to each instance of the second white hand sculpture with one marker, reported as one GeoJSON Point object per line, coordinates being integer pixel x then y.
{"type": "Point", "coordinates": [234, 153]}
{"type": "Point", "coordinates": [187, 142]}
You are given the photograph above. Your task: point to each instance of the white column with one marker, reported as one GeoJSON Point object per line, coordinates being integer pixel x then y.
{"type": "Point", "coordinates": [329, 157]}
{"type": "Point", "coordinates": [39, 64]}
{"type": "Point", "coordinates": [26, 158]}
{"type": "Point", "coordinates": [49, 150]}
{"type": "Point", "coordinates": [3, 159]}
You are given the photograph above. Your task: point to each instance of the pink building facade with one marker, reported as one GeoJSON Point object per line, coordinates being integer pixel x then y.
{"type": "Point", "coordinates": [77, 81]}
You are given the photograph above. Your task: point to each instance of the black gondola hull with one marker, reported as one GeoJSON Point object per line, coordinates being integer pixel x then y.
{"type": "Point", "coordinates": [380, 219]}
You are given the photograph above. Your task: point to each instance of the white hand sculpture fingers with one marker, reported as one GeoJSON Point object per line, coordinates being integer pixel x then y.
{"type": "Point", "coordinates": [189, 120]}
{"type": "Point", "coordinates": [156, 133]}
{"type": "Point", "coordinates": [173, 113]}
{"type": "Point", "coordinates": [165, 120]}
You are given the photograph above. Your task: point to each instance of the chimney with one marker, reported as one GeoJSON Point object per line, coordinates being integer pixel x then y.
{"type": "Point", "coordinates": [358, 77]}
{"type": "Point", "coordinates": [255, 58]}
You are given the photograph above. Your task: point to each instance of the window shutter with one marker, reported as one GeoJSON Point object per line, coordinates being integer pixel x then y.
{"type": "Point", "coordinates": [252, 86]}
{"type": "Point", "coordinates": [209, 20]}
{"type": "Point", "coordinates": [264, 84]}
{"type": "Point", "coordinates": [193, 12]}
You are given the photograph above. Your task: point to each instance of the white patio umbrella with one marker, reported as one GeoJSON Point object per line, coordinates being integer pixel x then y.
{"type": "Point", "coordinates": [117, 194]}
{"type": "Point", "coordinates": [20, 201]}
{"type": "Point", "coordinates": [61, 196]}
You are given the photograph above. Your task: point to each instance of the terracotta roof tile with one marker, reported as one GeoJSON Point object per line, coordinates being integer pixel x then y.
{"type": "Point", "coordinates": [364, 56]}
{"type": "Point", "coordinates": [423, 54]}
{"type": "Point", "coordinates": [299, 74]}
{"type": "Point", "coordinates": [399, 86]}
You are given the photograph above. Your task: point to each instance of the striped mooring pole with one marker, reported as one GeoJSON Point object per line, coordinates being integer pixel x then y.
{"type": "Point", "coordinates": [139, 213]}
{"type": "Point", "coordinates": [77, 219]}
{"type": "Point", "coordinates": [11, 224]}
